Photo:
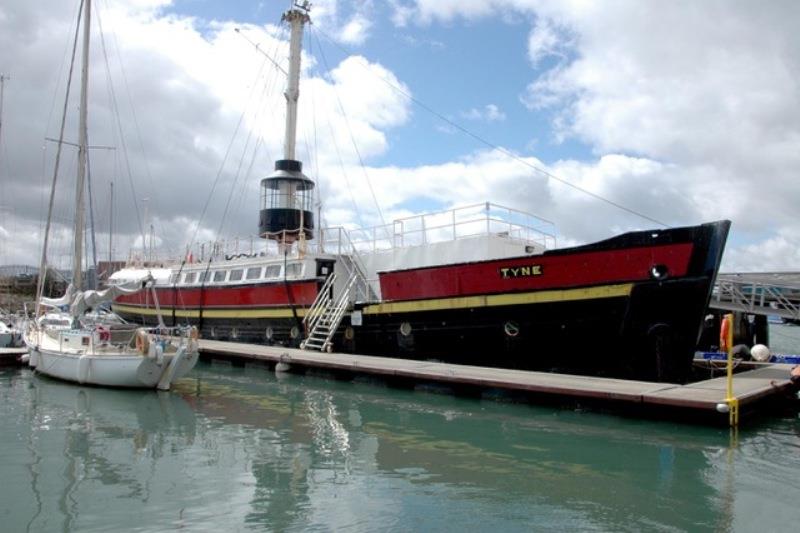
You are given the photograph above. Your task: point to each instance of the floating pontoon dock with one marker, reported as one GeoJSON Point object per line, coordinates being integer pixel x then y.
{"type": "Point", "coordinates": [752, 388]}
{"type": "Point", "coordinates": [11, 356]}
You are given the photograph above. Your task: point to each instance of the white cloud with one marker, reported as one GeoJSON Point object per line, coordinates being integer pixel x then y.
{"type": "Point", "coordinates": [705, 90]}
{"type": "Point", "coordinates": [691, 110]}
{"type": "Point", "coordinates": [178, 106]}
{"type": "Point", "coordinates": [356, 30]}
{"type": "Point", "coordinates": [490, 113]}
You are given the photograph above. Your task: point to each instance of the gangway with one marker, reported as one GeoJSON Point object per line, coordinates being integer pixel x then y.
{"type": "Point", "coordinates": [760, 293]}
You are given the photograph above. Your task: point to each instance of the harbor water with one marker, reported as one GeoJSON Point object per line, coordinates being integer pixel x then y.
{"type": "Point", "coordinates": [241, 449]}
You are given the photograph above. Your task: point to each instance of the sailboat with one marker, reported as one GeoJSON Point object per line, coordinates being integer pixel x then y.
{"type": "Point", "coordinates": [94, 352]}
{"type": "Point", "coordinates": [481, 285]}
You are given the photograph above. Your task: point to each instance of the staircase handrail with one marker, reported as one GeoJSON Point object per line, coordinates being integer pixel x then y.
{"type": "Point", "coordinates": [358, 263]}
{"type": "Point", "coordinates": [317, 308]}
{"type": "Point", "coordinates": [339, 309]}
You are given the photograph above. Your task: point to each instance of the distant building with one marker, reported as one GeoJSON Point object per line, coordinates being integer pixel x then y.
{"type": "Point", "coordinates": [106, 268]}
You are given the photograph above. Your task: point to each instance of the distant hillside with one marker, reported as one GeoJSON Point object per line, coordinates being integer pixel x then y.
{"type": "Point", "coordinates": [9, 271]}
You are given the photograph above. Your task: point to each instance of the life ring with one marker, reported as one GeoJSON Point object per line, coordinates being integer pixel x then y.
{"type": "Point", "coordinates": [142, 341]}
{"type": "Point", "coordinates": [103, 334]}
{"type": "Point", "coordinates": [724, 333]}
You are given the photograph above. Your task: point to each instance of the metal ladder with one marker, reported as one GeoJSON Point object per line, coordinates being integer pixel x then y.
{"type": "Point", "coordinates": [325, 314]}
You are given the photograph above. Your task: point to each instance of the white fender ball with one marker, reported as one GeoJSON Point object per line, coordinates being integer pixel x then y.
{"type": "Point", "coordinates": [760, 353]}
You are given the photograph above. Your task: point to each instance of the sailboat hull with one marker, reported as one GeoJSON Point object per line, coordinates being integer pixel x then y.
{"type": "Point", "coordinates": [128, 371]}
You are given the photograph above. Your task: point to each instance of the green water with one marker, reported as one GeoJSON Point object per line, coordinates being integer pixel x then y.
{"type": "Point", "coordinates": [237, 449]}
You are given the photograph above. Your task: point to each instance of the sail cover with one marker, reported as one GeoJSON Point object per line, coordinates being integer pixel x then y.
{"type": "Point", "coordinates": [60, 302]}
{"type": "Point", "coordinates": [83, 301]}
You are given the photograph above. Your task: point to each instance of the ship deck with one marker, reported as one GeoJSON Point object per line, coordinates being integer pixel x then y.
{"type": "Point", "coordinates": [752, 388]}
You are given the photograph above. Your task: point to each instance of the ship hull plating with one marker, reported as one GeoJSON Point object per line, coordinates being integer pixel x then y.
{"type": "Point", "coordinates": [631, 307]}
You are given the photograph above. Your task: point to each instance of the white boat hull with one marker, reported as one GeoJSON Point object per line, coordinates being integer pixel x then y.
{"type": "Point", "coordinates": [75, 355]}
{"type": "Point", "coordinates": [109, 370]}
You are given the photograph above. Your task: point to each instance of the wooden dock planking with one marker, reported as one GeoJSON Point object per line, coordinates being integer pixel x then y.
{"type": "Point", "coordinates": [749, 386]}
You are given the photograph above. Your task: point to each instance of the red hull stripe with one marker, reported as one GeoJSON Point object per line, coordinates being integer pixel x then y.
{"type": "Point", "coordinates": [273, 294]}
{"type": "Point", "coordinates": [535, 273]}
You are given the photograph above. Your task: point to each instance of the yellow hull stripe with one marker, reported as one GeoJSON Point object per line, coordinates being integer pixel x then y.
{"type": "Point", "coordinates": [497, 300]}
{"type": "Point", "coordinates": [465, 302]}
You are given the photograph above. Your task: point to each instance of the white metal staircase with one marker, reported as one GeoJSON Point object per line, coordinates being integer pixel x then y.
{"type": "Point", "coordinates": [325, 314]}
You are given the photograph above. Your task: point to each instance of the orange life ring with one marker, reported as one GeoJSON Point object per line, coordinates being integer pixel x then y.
{"type": "Point", "coordinates": [724, 332]}
{"type": "Point", "coordinates": [142, 342]}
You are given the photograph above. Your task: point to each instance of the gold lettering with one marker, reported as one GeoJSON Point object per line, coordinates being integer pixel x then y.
{"type": "Point", "coordinates": [518, 272]}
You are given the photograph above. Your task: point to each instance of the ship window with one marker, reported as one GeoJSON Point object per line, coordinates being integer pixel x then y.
{"type": "Point", "coordinates": [219, 275]}
{"type": "Point", "coordinates": [293, 270]}
{"type": "Point", "coordinates": [189, 277]}
{"type": "Point", "coordinates": [236, 275]}
{"type": "Point", "coordinates": [273, 271]}
{"type": "Point", "coordinates": [173, 279]}
{"type": "Point", "coordinates": [254, 273]}
{"type": "Point", "coordinates": [204, 276]}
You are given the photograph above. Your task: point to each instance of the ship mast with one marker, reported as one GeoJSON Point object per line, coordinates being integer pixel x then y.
{"type": "Point", "coordinates": [77, 260]}
{"type": "Point", "coordinates": [296, 18]}
{"type": "Point", "coordinates": [287, 194]}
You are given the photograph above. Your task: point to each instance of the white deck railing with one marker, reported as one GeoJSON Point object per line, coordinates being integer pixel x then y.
{"type": "Point", "coordinates": [448, 225]}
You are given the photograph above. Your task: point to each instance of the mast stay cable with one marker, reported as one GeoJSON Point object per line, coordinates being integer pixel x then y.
{"type": "Point", "coordinates": [496, 147]}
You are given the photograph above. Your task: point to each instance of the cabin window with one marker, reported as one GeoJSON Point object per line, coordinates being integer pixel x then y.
{"type": "Point", "coordinates": [273, 271]}
{"type": "Point", "coordinates": [236, 275]}
{"type": "Point", "coordinates": [173, 279]}
{"type": "Point", "coordinates": [204, 276]}
{"type": "Point", "coordinates": [293, 270]}
{"type": "Point", "coordinates": [189, 277]}
{"type": "Point", "coordinates": [254, 273]}
{"type": "Point", "coordinates": [219, 275]}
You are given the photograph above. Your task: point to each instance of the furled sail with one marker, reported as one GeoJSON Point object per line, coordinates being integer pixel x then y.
{"type": "Point", "coordinates": [83, 301]}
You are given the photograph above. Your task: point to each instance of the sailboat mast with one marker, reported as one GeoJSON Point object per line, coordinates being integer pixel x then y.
{"type": "Point", "coordinates": [296, 18]}
{"type": "Point", "coordinates": [77, 261]}
{"type": "Point", "coordinates": [3, 79]}
{"type": "Point", "coordinates": [110, 230]}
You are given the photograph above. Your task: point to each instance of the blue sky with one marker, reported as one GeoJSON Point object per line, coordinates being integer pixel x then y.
{"type": "Point", "coordinates": [449, 69]}
{"type": "Point", "coordinates": [685, 112]}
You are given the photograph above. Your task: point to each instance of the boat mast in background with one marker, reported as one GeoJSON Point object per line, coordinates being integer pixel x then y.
{"type": "Point", "coordinates": [3, 79]}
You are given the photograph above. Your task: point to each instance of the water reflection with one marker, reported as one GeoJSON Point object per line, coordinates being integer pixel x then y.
{"type": "Point", "coordinates": [238, 449]}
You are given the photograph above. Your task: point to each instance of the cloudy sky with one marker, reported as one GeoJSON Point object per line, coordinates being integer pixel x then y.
{"type": "Point", "coordinates": [682, 112]}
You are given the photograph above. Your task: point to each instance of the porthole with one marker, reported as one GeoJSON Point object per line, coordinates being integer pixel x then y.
{"type": "Point", "coordinates": [405, 329]}
{"type": "Point", "coordinates": [269, 333]}
{"type": "Point", "coordinates": [659, 271]}
{"type": "Point", "coordinates": [294, 332]}
{"type": "Point", "coordinates": [511, 328]}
